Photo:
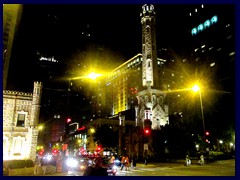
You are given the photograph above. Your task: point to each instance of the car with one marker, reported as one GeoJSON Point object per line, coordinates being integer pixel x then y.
{"type": "Point", "coordinates": [111, 168]}
{"type": "Point", "coordinates": [77, 164]}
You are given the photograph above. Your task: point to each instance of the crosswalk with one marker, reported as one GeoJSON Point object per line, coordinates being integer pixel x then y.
{"type": "Point", "coordinates": [134, 171]}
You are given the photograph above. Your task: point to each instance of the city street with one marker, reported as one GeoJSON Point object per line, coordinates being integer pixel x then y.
{"type": "Point", "coordinates": [218, 168]}
{"type": "Point", "coordinates": [221, 168]}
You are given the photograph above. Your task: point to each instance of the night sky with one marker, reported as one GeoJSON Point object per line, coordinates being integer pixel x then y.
{"type": "Point", "coordinates": [56, 30]}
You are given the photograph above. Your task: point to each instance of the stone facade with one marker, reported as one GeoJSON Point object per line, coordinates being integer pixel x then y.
{"type": "Point", "coordinates": [151, 101]}
{"type": "Point", "coordinates": [20, 123]}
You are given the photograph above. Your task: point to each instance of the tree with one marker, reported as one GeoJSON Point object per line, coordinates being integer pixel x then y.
{"type": "Point", "coordinates": [106, 137]}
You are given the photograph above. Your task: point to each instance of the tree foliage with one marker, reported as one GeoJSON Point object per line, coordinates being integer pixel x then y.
{"type": "Point", "coordinates": [106, 137]}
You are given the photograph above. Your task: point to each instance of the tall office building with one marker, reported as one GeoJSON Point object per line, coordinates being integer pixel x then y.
{"type": "Point", "coordinates": [11, 17]}
{"type": "Point", "coordinates": [212, 49]}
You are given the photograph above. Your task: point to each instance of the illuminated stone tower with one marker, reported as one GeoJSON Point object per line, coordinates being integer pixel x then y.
{"type": "Point", "coordinates": [149, 48]}
{"type": "Point", "coordinates": [151, 101]}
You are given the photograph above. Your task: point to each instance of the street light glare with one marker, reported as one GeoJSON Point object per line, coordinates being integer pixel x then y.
{"type": "Point", "coordinates": [40, 127]}
{"type": "Point", "coordinates": [196, 88]}
{"type": "Point", "coordinates": [93, 75]}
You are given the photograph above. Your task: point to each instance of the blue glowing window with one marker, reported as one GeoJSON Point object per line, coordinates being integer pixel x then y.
{"type": "Point", "coordinates": [194, 31]}
{"type": "Point", "coordinates": [206, 23]}
{"type": "Point", "coordinates": [200, 27]}
{"type": "Point", "coordinates": [214, 19]}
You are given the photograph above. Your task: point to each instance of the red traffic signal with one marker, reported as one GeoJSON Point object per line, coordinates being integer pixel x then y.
{"type": "Point", "coordinates": [54, 151]}
{"type": "Point", "coordinates": [99, 148]}
{"type": "Point", "coordinates": [69, 120]}
{"type": "Point", "coordinates": [147, 131]}
{"type": "Point", "coordinates": [207, 133]}
{"type": "Point", "coordinates": [41, 152]}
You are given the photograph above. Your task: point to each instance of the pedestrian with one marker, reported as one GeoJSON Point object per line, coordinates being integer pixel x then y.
{"type": "Point", "coordinates": [98, 169]}
{"type": "Point", "coordinates": [187, 161]}
{"type": "Point", "coordinates": [134, 164]}
{"type": "Point", "coordinates": [112, 159]}
{"type": "Point", "coordinates": [37, 166]}
{"type": "Point", "coordinates": [59, 162]}
{"type": "Point", "coordinates": [127, 163]}
{"type": "Point", "coordinates": [44, 165]}
{"type": "Point", "coordinates": [201, 160]}
{"type": "Point", "coordinates": [122, 162]}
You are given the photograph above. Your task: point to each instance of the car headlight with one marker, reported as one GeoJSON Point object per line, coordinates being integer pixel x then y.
{"type": "Point", "coordinates": [72, 163]}
{"type": "Point", "coordinates": [82, 167]}
{"type": "Point", "coordinates": [116, 161]}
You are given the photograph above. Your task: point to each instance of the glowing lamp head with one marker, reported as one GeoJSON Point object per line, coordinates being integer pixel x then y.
{"type": "Point", "coordinates": [195, 88]}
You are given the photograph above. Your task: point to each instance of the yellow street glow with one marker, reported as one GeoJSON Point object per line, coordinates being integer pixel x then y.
{"type": "Point", "coordinates": [196, 88]}
{"type": "Point", "coordinates": [93, 75]}
{"type": "Point", "coordinates": [92, 130]}
{"type": "Point", "coordinates": [40, 127]}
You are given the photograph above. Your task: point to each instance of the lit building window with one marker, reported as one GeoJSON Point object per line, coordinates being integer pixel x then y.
{"type": "Point", "coordinates": [151, 7]}
{"type": "Point", "coordinates": [21, 120]}
{"type": "Point", "coordinates": [212, 64]}
{"type": "Point", "coordinates": [206, 23]}
{"type": "Point", "coordinates": [194, 31]}
{"type": "Point", "coordinates": [196, 49]}
{"type": "Point", "coordinates": [214, 19]}
{"type": "Point", "coordinates": [200, 27]}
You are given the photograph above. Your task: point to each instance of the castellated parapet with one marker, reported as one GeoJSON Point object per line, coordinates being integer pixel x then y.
{"type": "Point", "coordinates": [20, 123]}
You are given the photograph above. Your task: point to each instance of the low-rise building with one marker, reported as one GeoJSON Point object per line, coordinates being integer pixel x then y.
{"type": "Point", "coordinates": [20, 123]}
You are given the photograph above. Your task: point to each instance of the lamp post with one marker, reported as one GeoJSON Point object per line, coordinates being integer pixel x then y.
{"type": "Point", "coordinates": [196, 88]}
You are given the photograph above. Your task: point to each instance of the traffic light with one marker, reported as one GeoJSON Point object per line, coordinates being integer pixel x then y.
{"type": "Point", "coordinates": [99, 148]}
{"type": "Point", "coordinates": [207, 133]}
{"type": "Point", "coordinates": [54, 151]}
{"type": "Point", "coordinates": [41, 152]}
{"type": "Point", "coordinates": [147, 131]}
{"type": "Point", "coordinates": [68, 120]}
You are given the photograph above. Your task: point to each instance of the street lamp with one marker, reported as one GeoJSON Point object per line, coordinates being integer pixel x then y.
{"type": "Point", "coordinates": [196, 88]}
{"type": "Point", "coordinates": [93, 75]}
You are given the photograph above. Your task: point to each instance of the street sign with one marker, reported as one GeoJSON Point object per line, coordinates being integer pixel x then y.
{"type": "Point", "coordinates": [64, 147]}
{"type": "Point", "coordinates": [145, 146]}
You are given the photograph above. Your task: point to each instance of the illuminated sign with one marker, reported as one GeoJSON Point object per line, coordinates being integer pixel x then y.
{"type": "Point", "coordinates": [204, 25]}
{"type": "Point", "coordinates": [48, 59]}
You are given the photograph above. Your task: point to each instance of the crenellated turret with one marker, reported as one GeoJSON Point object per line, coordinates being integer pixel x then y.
{"type": "Point", "coordinates": [37, 93]}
